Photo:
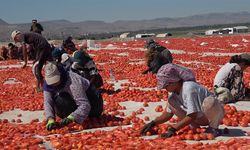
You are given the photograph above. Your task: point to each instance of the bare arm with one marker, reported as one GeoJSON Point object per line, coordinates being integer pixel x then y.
{"type": "Point", "coordinates": [164, 117]}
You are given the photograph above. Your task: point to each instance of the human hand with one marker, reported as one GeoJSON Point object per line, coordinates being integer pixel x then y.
{"type": "Point", "coordinates": [170, 133]}
{"type": "Point", "coordinates": [147, 127]}
{"type": "Point", "coordinates": [51, 124]}
{"type": "Point", "coordinates": [67, 120]}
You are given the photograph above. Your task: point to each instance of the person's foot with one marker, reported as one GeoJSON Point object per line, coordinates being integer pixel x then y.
{"type": "Point", "coordinates": [215, 132]}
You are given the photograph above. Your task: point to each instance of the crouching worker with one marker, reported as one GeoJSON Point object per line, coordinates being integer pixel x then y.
{"type": "Point", "coordinates": [156, 56]}
{"type": "Point", "coordinates": [66, 95]}
{"type": "Point", "coordinates": [86, 67]}
{"type": "Point", "coordinates": [42, 52]}
{"type": "Point", "coordinates": [189, 101]}
{"type": "Point", "coordinates": [228, 83]}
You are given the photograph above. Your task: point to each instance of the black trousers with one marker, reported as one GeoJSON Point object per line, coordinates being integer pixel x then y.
{"type": "Point", "coordinates": [96, 101]}
{"type": "Point", "coordinates": [65, 104]}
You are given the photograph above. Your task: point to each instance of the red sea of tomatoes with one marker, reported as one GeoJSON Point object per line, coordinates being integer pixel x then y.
{"type": "Point", "coordinates": [23, 96]}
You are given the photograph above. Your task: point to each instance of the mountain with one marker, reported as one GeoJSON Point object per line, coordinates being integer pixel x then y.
{"type": "Point", "coordinates": [3, 22]}
{"type": "Point", "coordinates": [62, 28]}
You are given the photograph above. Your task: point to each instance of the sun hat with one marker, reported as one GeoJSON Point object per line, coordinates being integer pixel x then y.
{"type": "Point", "coordinates": [52, 74]}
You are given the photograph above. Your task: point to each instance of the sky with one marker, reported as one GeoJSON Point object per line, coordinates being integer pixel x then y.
{"type": "Point", "coordinates": [23, 11]}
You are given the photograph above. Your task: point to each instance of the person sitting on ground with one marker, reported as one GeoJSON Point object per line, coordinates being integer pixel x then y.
{"type": "Point", "coordinates": [85, 66]}
{"type": "Point", "coordinates": [36, 27]}
{"type": "Point", "coordinates": [14, 52]}
{"type": "Point", "coordinates": [156, 56]}
{"type": "Point", "coordinates": [189, 101]}
{"type": "Point", "coordinates": [68, 45]}
{"type": "Point", "coordinates": [42, 52]}
{"type": "Point", "coordinates": [3, 53]}
{"type": "Point", "coordinates": [66, 61]}
{"type": "Point", "coordinates": [69, 96]}
{"type": "Point", "coordinates": [228, 82]}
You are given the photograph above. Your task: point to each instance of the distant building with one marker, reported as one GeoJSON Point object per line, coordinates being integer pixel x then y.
{"type": "Point", "coordinates": [144, 35]}
{"type": "Point", "coordinates": [124, 35]}
{"type": "Point", "coordinates": [211, 32]}
{"type": "Point", "coordinates": [163, 35]}
{"type": "Point", "coordinates": [241, 29]}
{"type": "Point", "coordinates": [233, 30]}
{"type": "Point", "coordinates": [227, 31]}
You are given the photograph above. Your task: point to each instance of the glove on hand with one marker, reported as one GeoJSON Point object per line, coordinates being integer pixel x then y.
{"type": "Point", "coordinates": [147, 127]}
{"type": "Point", "coordinates": [67, 120]}
{"type": "Point", "coordinates": [170, 133]}
{"type": "Point", "coordinates": [51, 124]}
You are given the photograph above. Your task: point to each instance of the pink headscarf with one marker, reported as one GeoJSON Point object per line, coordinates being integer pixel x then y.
{"type": "Point", "coordinates": [170, 73]}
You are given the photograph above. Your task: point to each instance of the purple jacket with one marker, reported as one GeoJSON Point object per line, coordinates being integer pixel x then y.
{"type": "Point", "coordinates": [76, 86]}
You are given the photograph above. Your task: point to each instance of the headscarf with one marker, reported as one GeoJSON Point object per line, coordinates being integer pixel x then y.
{"type": "Point", "coordinates": [171, 73]}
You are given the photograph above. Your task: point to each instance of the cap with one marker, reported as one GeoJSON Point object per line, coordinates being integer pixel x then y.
{"type": "Point", "coordinates": [64, 57]}
{"type": "Point", "coordinates": [77, 56]}
{"type": "Point", "coordinates": [52, 75]}
{"type": "Point", "coordinates": [14, 33]}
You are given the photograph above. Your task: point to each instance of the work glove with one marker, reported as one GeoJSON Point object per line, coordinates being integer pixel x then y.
{"type": "Point", "coordinates": [67, 120]}
{"type": "Point", "coordinates": [51, 124]}
{"type": "Point", "coordinates": [147, 127]}
{"type": "Point", "coordinates": [170, 133]}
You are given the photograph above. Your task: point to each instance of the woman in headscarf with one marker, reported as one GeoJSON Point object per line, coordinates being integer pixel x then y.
{"type": "Point", "coordinates": [228, 82]}
{"type": "Point", "coordinates": [189, 101]}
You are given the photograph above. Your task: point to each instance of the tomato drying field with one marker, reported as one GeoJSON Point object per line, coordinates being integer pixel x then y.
{"type": "Point", "coordinates": [130, 99]}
